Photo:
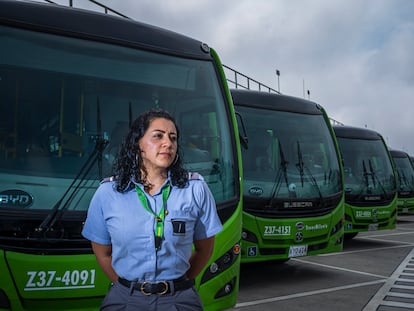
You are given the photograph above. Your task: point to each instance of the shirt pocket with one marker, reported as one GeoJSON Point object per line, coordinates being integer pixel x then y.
{"type": "Point", "coordinates": [180, 230]}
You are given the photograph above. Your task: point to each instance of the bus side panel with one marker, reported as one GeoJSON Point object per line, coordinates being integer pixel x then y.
{"type": "Point", "coordinates": [36, 282]}
{"type": "Point", "coordinates": [220, 290]}
{"type": "Point", "coordinates": [8, 294]}
{"type": "Point", "coordinates": [225, 241]}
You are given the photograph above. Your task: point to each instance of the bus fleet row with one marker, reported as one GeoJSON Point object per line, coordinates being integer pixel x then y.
{"type": "Point", "coordinates": [285, 181]}
{"type": "Point", "coordinates": [307, 184]}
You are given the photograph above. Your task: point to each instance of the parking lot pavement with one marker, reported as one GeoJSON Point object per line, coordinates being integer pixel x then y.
{"type": "Point", "coordinates": [375, 271]}
{"type": "Point", "coordinates": [398, 291]}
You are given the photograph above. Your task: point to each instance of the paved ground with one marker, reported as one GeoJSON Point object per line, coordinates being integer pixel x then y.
{"type": "Point", "coordinates": [375, 271]}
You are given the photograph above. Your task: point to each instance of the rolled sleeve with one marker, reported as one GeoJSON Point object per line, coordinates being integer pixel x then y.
{"type": "Point", "coordinates": [95, 228]}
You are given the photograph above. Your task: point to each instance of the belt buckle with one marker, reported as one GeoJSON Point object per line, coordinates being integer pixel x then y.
{"type": "Point", "coordinates": [142, 288]}
{"type": "Point", "coordinates": [144, 284]}
{"type": "Point", "coordinates": [165, 283]}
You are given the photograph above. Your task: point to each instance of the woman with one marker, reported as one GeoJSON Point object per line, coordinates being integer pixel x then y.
{"type": "Point", "coordinates": [142, 224]}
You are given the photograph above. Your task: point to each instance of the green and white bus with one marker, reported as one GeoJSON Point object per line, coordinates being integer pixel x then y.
{"type": "Point", "coordinates": [293, 200]}
{"type": "Point", "coordinates": [370, 182]}
{"type": "Point", "coordinates": [405, 181]}
{"type": "Point", "coordinates": [71, 81]}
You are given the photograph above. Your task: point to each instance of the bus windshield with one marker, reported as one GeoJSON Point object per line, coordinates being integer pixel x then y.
{"type": "Point", "coordinates": [367, 169]}
{"type": "Point", "coordinates": [405, 175]}
{"type": "Point", "coordinates": [67, 103]}
{"type": "Point", "coordinates": [289, 156]}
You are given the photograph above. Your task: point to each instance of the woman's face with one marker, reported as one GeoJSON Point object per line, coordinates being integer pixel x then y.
{"type": "Point", "coordinates": [159, 144]}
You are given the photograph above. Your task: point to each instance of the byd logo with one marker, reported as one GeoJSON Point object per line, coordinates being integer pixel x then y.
{"type": "Point", "coordinates": [256, 191]}
{"type": "Point", "coordinates": [15, 198]}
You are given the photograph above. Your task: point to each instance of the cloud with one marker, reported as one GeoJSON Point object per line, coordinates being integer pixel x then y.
{"type": "Point", "coordinates": [395, 59]}
{"type": "Point", "coordinates": [355, 57]}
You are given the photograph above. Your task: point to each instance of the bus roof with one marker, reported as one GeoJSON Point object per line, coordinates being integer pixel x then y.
{"type": "Point", "coordinates": [96, 26]}
{"type": "Point", "coordinates": [273, 101]}
{"type": "Point", "coordinates": [346, 131]}
{"type": "Point", "coordinates": [399, 153]}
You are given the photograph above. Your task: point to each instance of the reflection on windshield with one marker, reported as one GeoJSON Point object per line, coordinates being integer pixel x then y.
{"type": "Point", "coordinates": [405, 174]}
{"type": "Point", "coordinates": [285, 159]}
{"type": "Point", "coordinates": [62, 97]}
{"type": "Point", "coordinates": [367, 169]}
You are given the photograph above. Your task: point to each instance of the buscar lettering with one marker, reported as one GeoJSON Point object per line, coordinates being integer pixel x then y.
{"type": "Point", "coordinates": [297, 204]}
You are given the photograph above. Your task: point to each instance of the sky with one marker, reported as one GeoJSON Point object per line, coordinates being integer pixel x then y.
{"type": "Point", "coordinates": [356, 57]}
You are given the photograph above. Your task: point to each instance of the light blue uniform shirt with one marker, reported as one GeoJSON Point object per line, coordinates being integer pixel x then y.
{"type": "Point", "coordinates": [121, 220]}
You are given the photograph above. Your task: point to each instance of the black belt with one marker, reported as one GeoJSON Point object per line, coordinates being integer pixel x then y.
{"type": "Point", "coordinates": [160, 287]}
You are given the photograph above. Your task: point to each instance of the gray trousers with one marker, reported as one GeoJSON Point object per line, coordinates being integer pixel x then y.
{"type": "Point", "coordinates": [121, 298]}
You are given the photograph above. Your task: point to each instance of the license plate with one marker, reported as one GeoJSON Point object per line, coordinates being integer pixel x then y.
{"type": "Point", "coordinates": [298, 251]}
{"type": "Point", "coordinates": [372, 227]}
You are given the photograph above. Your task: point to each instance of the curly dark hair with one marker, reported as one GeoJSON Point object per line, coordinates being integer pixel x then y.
{"type": "Point", "coordinates": [127, 165]}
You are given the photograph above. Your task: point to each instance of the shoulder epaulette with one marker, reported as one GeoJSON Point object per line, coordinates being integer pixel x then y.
{"type": "Point", "coordinates": [193, 175]}
{"type": "Point", "coordinates": [108, 179]}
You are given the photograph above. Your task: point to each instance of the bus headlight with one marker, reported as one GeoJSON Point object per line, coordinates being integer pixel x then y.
{"type": "Point", "coordinates": [214, 268]}
{"type": "Point", "coordinates": [221, 264]}
{"type": "Point", "coordinates": [227, 289]}
{"type": "Point", "coordinates": [249, 236]}
{"type": "Point", "coordinates": [337, 227]}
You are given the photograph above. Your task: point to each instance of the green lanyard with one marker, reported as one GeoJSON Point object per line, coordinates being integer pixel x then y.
{"type": "Point", "coordinates": [159, 229]}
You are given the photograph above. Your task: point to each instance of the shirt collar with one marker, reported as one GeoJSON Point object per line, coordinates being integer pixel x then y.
{"type": "Point", "coordinates": [167, 181]}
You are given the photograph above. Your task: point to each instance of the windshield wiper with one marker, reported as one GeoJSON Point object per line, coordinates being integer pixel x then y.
{"type": "Point", "coordinates": [372, 173]}
{"type": "Point", "coordinates": [278, 179]}
{"type": "Point", "coordinates": [304, 169]}
{"type": "Point", "coordinates": [314, 183]}
{"type": "Point", "coordinates": [300, 163]}
{"type": "Point", "coordinates": [95, 156]}
{"type": "Point", "coordinates": [364, 184]}
{"type": "Point", "coordinates": [364, 168]}
{"type": "Point", "coordinates": [50, 219]}
{"type": "Point", "coordinates": [404, 178]}
{"type": "Point", "coordinates": [375, 177]}
{"type": "Point", "coordinates": [283, 163]}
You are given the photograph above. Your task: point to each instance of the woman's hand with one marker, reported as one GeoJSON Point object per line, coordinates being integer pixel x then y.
{"type": "Point", "coordinates": [203, 249]}
{"type": "Point", "coordinates": [103, 254]}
